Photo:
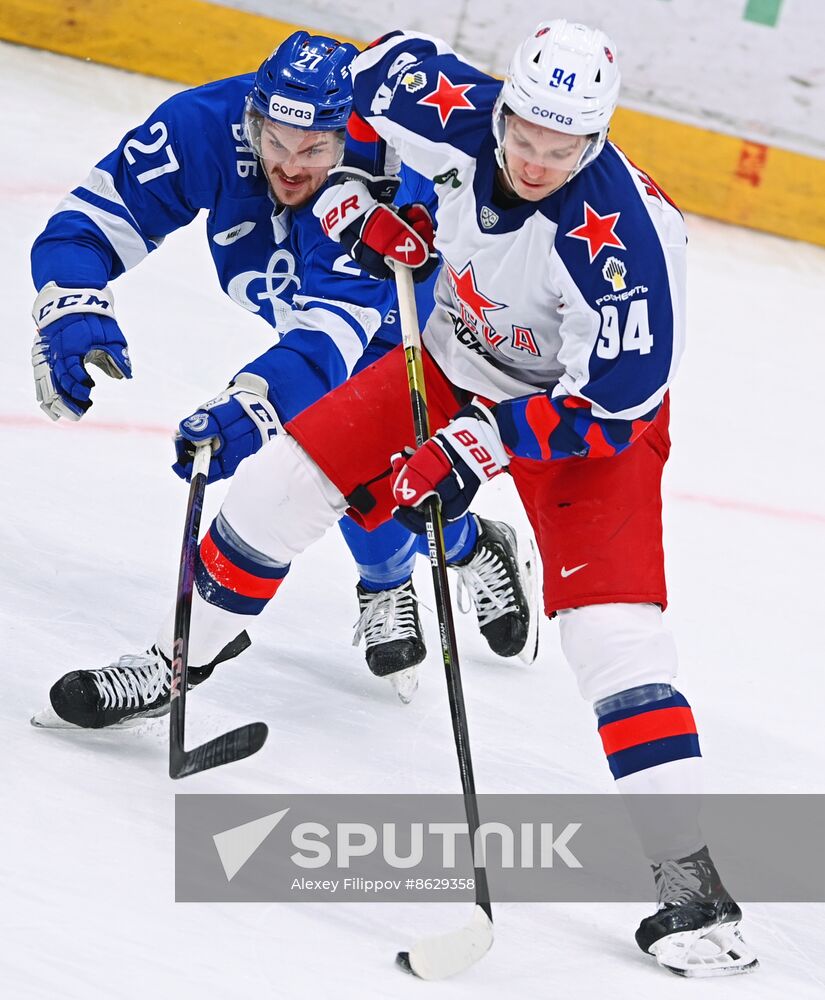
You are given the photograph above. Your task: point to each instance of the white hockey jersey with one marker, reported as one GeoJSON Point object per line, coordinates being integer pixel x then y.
{"type": "Point", "coordinates": [579, 297]}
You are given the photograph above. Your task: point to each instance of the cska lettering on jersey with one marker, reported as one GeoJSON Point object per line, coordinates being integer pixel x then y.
{"type": "Point", "coordinates": [470, 326]}
{"type": "Point", "coordinates": [595, 269]}
{"type": "Point", "coordinates": [274, 262]}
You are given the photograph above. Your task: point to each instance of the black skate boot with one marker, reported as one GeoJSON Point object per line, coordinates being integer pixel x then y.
{"type": "Point", "coordinates": [695, 931]}
{"type": "Point", "coordinates": [504, 600]}
{"type": "Point", "coordinates": [391, 630]}
{"type": "Point", "coordinates": [134, 688]}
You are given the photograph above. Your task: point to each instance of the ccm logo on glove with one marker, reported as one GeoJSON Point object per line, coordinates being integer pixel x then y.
{"type": "Point", "coordinates": [78, 301]}
{"type": "Point", "coordinates": [75, 328]}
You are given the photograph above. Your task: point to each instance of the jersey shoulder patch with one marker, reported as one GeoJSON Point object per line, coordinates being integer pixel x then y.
{"type": "Point", "coordinates": [437, 96]}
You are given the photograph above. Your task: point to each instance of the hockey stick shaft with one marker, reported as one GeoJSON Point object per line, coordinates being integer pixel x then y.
{"type": "Point", "coordinates": [183, 606]}
{"type": "Point", "coordinates": [411, 339]}
{"type": "Point", "coordinates": [228, 747]}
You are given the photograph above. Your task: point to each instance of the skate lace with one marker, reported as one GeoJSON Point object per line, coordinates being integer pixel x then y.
{"type": "Point", "coordinates": [678, 882]}
{"type": "Point", "coordinates": [134, 681]}
{"type": "Point", "coordinates": [485, 583]}
{"type": "Point", "coordinates": [386, 615]}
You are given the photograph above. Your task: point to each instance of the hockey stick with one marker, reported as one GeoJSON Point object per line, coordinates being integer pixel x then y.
{"type": "Point", "coordinates": [228, 747]}
{"type": "Point", "coordinates": [446, 954]}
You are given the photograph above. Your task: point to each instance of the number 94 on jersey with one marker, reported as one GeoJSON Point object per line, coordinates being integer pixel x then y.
{"type": "Point", "coordinates": [634, 335]}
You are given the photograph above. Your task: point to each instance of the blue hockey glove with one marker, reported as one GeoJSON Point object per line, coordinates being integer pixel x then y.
{"type": "Point", "coordinates": [451, 465]}
{"type": "Point", "coordinates": [353, 212]}
{"type": "Point", "coordinates": [75, 327]}
{"type": "Point", "coordinates": [238, 422]}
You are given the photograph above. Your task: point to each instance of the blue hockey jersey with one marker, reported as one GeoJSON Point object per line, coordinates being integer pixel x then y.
{"type": "Point", "coordinates": [190, 155]}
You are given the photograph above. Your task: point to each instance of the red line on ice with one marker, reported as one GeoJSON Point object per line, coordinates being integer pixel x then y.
{"type": "Point", "coordinates": [113, 427]}
{"type": "Point", "coordinates": [787, 513]}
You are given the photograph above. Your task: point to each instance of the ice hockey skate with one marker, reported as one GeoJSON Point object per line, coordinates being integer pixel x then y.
{"type": "Point", "coordinates": [391, 630]}
{"type": "Point", "coordinates": [125, 693]}
{"type": "Point", "coordinates": [695, 931]}
{"type": "Point", "coordinates": [502, 589]}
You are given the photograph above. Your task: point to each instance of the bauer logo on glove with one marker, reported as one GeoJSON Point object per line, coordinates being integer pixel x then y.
{"type": "Point", "coordinates": [451, 465]}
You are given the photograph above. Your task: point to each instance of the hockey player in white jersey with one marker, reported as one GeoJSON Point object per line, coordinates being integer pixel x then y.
{"type": "Point", "coordinates": [560, 311]}
{"type": "Point", "coordinates": [254, 151]}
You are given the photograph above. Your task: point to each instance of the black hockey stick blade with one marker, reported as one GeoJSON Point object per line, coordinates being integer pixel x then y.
{"type": "Point", "coordinates": [224, 749]}
{"type": "Point", "coordinates": [448, 954]}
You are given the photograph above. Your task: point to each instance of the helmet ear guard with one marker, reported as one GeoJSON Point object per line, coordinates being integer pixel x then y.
{"type": "Point", "coordinates": [563, 77]}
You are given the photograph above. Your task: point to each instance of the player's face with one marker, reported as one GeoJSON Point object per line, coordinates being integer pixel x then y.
{"type": "Point", "coordinates": [539, 160]}
{"type": "Point", "coordinates": [297, 161]}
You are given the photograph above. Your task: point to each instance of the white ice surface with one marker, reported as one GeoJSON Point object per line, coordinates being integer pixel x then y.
{"type": "Point", "coordinates": [90, 526]}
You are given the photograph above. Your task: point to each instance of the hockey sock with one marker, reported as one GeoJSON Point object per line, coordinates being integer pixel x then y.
{"type": "Point", "coordinates": [231, 575]}
{"type": "Point", "coordinates": [650, 740]}
{"type": "Point", "coordinates": [385, 557]}
{"type": "Point", "coordinates": [646, 727]}
{"type": "Point", "coordinates": [460, 539]}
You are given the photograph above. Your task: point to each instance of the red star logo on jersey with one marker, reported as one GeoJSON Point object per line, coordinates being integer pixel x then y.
{"type": "Point", "coordinates": [447, 98]}
{"type": "Point", "coordinates": [598, 230]}
{"type": "Point", "coordinates": [471, 299]}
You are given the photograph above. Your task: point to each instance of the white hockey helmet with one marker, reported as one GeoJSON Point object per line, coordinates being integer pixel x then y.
{"type": "Point", "coordinates": [565, 77]}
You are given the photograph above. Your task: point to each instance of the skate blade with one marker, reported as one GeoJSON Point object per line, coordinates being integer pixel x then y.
{"type": "Point", "coordinates": [528, 568]}
{"type": "Point", "coordinates": [49, 719]}
{"type": "Point", "coordinates": [702, 954]}
{"type": "Point", "coordinates": [405, 683]}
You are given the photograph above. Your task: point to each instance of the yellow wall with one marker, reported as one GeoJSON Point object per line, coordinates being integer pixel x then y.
{"type": "Point", "coordinates": [728, 178]}
{"type": "Point", "coordinates": [184, 40]}
{"type": "Point", "coordinates": [193, 42]}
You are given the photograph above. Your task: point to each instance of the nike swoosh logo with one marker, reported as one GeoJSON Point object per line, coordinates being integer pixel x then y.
{"type": "Point", "coordinates": [569, 572]}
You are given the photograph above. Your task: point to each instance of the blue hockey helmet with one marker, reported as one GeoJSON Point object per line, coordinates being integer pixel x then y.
{"type": "Point", "coordinates": [305, 83]}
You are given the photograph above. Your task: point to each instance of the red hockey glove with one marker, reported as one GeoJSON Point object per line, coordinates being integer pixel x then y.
{"type": "Point", "coordinates": [376, 234]}
{"type": "Point", "coordinates": [451, 465]}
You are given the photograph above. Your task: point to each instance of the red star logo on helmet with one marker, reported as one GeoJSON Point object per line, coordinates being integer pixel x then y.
{"type": "Point", "coordinates": [466, 290]}
{"type": "Point", "coordinates": [447, 98]}
{"type": "Point", "coordinates": [598, 230]}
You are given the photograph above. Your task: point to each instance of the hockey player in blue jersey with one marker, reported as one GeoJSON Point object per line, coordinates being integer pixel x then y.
{"type": "Point", "coordinates": [557, 330]}
{"type": "Point", "coordinates": [254, 152]}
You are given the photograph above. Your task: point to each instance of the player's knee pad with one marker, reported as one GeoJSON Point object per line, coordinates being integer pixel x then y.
{"type": "Point", "coordinates": [279, 502]}
{"type": "Point", "coordinates": [614, 647]}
